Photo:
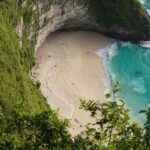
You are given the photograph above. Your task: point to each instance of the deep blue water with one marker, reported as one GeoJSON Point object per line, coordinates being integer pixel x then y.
{"type": "Point", "coordinates": [130, 65]}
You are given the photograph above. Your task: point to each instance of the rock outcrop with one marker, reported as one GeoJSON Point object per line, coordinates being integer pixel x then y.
{"type": "Point", "coordinates": [65, 14]}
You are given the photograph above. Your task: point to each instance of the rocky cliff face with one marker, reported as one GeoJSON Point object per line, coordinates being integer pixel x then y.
{"type": "Point", "coordinates": [59, 15]}
{"type": "Point", "coordinates": [65, 14]}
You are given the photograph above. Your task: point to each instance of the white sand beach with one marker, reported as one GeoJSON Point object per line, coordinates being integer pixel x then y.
{"type": "Point", "coordinates": [69, 69]}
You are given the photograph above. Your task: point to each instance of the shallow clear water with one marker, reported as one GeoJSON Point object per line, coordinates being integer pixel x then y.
{"type": "Point", "coordinates": [146, 3]}
{"type": "Point", "coordinates": [130, 65]}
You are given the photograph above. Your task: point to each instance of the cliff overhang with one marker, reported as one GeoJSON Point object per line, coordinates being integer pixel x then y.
{"type": "Point", "coordinates": [71, 14]}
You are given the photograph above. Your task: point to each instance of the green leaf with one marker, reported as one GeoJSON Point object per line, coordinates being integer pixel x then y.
{"type": "Point", "coordinates": [142, 111]}
{"type": "Point", "coordinates": [108, 95]}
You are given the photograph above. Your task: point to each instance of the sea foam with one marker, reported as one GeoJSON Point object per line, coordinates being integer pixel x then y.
{"type": "Point", "coordinates": [106, 54]}
{"type": "Point", "coordinates": [145, 44]}
{"type": "Point", "coordinates": [143, 1]}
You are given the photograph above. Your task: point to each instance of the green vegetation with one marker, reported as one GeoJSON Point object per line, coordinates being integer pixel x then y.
{"type": "Point", "coordinates": [112, 129]}
{"type": "Point", "coordinates": [27, 122]}
{"type": "Point", "coordinates": [16, 87]}
{"type": "Point", "coordinates": [117, 13]}
{"type": "Point", "coordinates": [42, 131]}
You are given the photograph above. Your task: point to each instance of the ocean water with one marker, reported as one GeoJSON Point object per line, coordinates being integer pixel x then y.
{"type": "Point", "coordinates": [129, 64]}
{"type": "Point", "coordinates": [146, 4]}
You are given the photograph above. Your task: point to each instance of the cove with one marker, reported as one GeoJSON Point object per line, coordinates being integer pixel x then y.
{"type": "Point", "coordinates": [68, 70]}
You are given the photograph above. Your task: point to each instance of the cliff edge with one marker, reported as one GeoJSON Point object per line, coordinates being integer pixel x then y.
{"type": "Point", "coordinates": [125, 20]}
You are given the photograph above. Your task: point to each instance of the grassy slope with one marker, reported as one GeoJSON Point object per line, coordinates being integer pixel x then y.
{"type": "Point", "coordinates": [16, 87]}
{"type": "Point", "coordinates": [24, 123]}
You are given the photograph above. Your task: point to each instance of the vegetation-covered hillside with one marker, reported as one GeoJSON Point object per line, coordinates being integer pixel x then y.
{"type": "Point", "coordinates": [27, 122]}
{"type": "Point", "coordinates": [120, 13]}
{"type": "Point", "coordinates": [16, 88]}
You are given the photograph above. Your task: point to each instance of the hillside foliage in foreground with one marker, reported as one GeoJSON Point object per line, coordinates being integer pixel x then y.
{"type": "Point", "coordinates": [112, 130]}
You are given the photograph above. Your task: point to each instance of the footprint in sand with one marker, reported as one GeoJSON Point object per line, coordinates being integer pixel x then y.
{"type": "Point", "coordinates": [73, 83]}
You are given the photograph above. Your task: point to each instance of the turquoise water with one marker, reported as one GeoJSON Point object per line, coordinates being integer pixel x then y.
{"type": "Point", "coordinates": [130, 65]}
{"type": "Point", "coordinates": [146, 3]}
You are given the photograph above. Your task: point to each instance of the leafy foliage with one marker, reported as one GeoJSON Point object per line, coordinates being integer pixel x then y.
{"type": "Point", "coordinates": [112, 129]}
{"type": "Point", "coordinates": [19, 131]}
{"type": "Point", "coordinates": [147, 127]}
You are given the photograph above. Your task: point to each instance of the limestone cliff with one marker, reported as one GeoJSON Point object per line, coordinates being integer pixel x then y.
{"type": "Point", "coordinates": [64, 14]}
{"type": "Point", "coordinates": [53, 15]}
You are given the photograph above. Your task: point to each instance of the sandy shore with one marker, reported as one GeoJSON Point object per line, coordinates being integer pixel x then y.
{"type": "Point", "coordinates": [69, 70]}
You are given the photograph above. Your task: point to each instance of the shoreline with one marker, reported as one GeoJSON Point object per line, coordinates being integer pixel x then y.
{"type": "Point", "coordinates": [104, 54]}
{"type": "Point", "coordinates": [69, 69]}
